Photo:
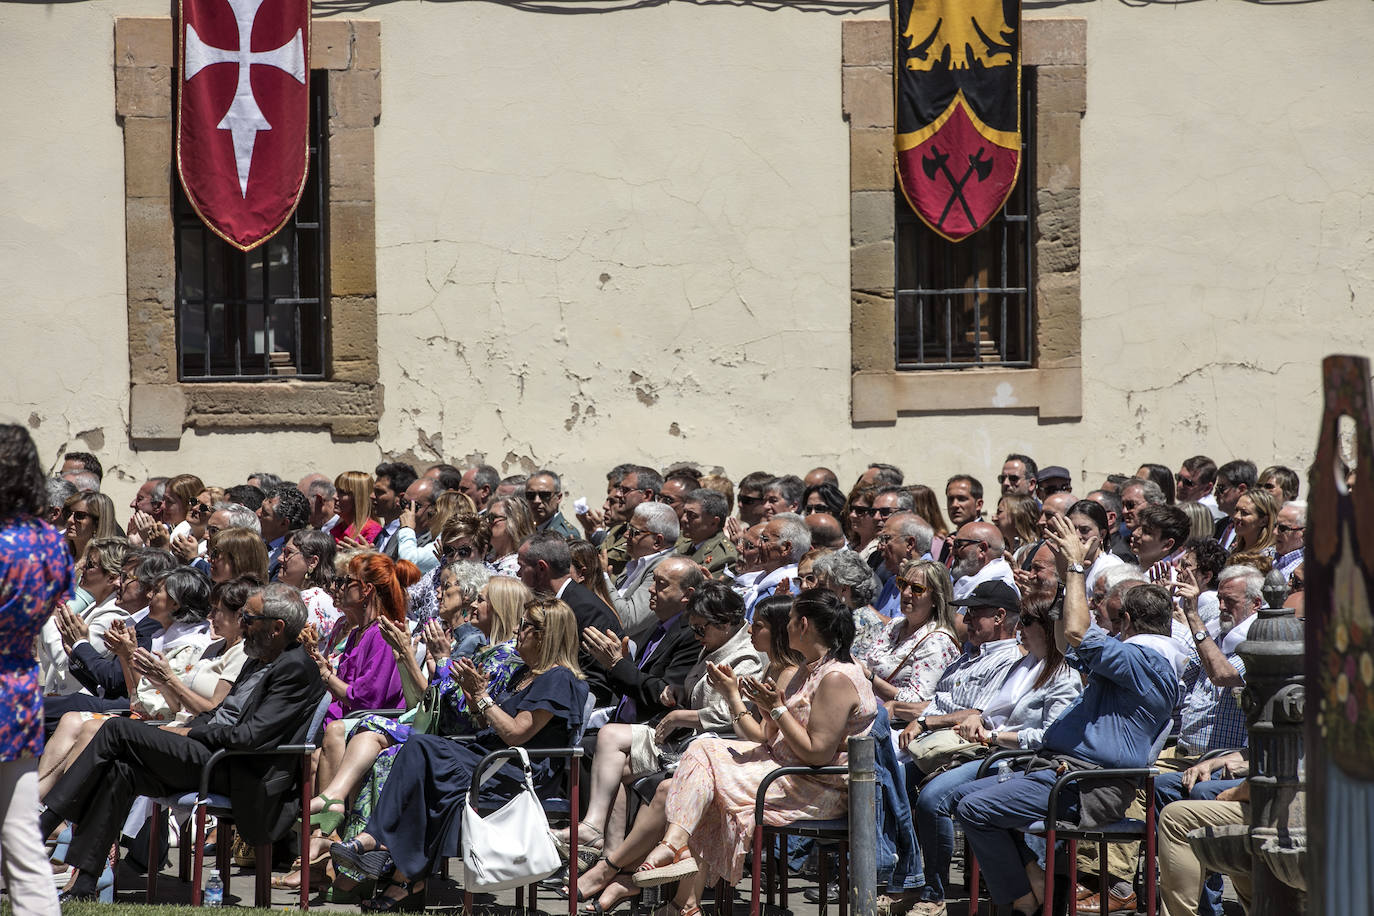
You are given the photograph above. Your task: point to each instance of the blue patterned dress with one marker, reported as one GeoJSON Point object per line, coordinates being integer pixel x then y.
{"type": "Point", "coordinates": [34, 569]}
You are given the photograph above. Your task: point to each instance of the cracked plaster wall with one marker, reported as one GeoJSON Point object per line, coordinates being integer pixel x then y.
{"type": "Point", "coordinates": [627, 236]}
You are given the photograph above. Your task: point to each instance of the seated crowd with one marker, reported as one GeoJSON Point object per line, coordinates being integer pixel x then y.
{"type": "Point", "coordinates": [692, 634]}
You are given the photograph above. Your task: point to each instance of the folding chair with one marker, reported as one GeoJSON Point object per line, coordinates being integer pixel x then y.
{"type": "Point", "coordinates": [203, 801]}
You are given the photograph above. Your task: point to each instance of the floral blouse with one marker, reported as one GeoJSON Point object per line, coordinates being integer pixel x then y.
{"type": "Point", "coordinates": [914, 662]}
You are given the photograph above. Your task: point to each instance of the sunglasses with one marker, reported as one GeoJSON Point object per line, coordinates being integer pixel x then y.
{"type": "Point", "coordinates": [539, 495]}
{"type": "Point", "coordinates": [245, 618]}
{"type": "Point", "coordinates": [461, 553]}
{"type": "Point", "coordinates": [961, 543]}
{"type": "Point", "coordinates": [750, 500]}
{"type": "Point", "coordinates": [917, 588]}
{"type": "Point", "coordinates": [1012, 479]}
{"type": "Point", "coordinates": [1295, 583]}
{"type": "Point", "coordinates": [814, 510]}
{"type": "Point", "coordinates": [527, 624]}
{"type": "Point", "coordinates": [700, 629]}
{"type": "Point", "coordinates": [862, 511]}
{"type": "Point", "coordinates": [78, 516]}
{"type": "Point", "coordinates": [1287, 528]}
{"type": "Point", "coordinates": [201, 509]}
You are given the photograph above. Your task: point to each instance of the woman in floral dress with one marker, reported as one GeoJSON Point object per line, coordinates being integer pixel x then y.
{"type": "Point", "coordinates": [35, 571]}
{"type": "Point", "coordinates": [909, 653]}
{"type": "Point", "coordinates": [806, 721]}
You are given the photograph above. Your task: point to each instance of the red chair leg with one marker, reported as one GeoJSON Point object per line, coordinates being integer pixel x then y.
{"type": "Point", "coordinates": [1049, 868]}
{"type": "Point", "coordinates": [971, 867]}
{"type": "Point", "coordinates": [262, 875]}
{"type": "Point", "coordinates": [1073, 877]}
{"type": "Point", "coordinates": [154, 823]}
{"type": "Point", "coordinates": [1151, 873]}
{"type": "Point", "coordinates": [307, 793]}
{"type": "Point", "coordinates": [199, 855]}
{"type": "Point", "coordinates": [575, 822]}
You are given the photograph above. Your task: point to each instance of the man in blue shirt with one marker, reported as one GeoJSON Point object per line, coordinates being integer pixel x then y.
{"type": "Point", "coordinates": [1130, 689]}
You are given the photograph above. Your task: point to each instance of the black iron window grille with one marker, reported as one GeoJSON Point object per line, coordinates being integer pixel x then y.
{"type": "Point", "coordinates": [259, 314]}
{"type": "Point", "coordinates": [971, 303]}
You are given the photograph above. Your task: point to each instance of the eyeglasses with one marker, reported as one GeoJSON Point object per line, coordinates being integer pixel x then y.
{"type": "Point", "coordinates": [246, 618]}
{"type": "Point", "coordinates": [78, 516]}
{"type": "Point", "coordinates": [464, 552]}
{"type": "Point", "coordinates": [961, 543]}
{"type": "Point", "coordinates": [813, 510]}
{"type": "Point", "coordinates": [750, 500]}
{"type": "Point", "coordinates": [350, 581]}
{"type": "Point", "coordinates": [1183, 481]}
{"type": "Point", "coordinates": [201, 509]}
{"type": "Point", "coordinates": [540, 495]}
{"type": "Point", "coordinates": [862, 511]}
{"type": "Point", "coordinates": [632, 532]}
{"type": "Point", "coordinates": [811, 580]}
{"type": "Point", "coordinates": [527, 624]}
{"type": "Point", "coordinates": [1295, 583]}
{"type": "Point", "coordinates": [883, 512]}
{"type": "Point", "coordinates": [917, 588]}
{"type": "Point", "coordinates": [288, 554]}
{"type": "Point", "coordinates": [1012, 479]}
{"type": "Point", "coordinates": [700, 628]}
{"type": "Point", "coordinates": [883, 539]}
{"type": "Point", "coordinates": [1131, 504]}
{"type": "Point", "coordinates": [1287, 528]}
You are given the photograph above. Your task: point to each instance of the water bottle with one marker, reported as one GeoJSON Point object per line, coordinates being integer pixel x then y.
{"type": "Point", "coordinates": [214, 891]}
{"type": "Point", "coordinates": [1003, 770]}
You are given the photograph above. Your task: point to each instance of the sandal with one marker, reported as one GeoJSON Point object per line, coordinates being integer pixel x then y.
{"type": "Point", "coordinates": [329, 821]}
{"type": "Point", "coordinates": [564, 843]}
{"type": "Point", "coordinates": [602, 889]}
{"type": "Point", "coordinates": [317, 875]}
{"type": "Point", "coordinates": [372, 862]}
{"type": "Point", "coordinates": [411, 901]}
{"type": "Point", "coordinates": [682, 864]}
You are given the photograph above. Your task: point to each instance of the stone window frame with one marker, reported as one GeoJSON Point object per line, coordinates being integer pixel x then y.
{"type": "Point", "coordinates": [349, 401]}
{"type": "Point", "coordinates": [1057, 49]}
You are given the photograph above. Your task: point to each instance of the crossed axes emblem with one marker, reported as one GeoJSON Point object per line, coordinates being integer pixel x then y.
{"type": "Point", "coordinates": [938, 163]}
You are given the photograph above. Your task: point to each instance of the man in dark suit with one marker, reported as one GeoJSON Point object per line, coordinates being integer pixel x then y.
{"type": "Point", "coordinates": [546, 567]}
{"type": "Point", "coordinates": [271, 703]}
{"type": "Point", "coordinates": [1234, 478]}
{"type": "Point", "coordinates": [391, 480]}
{"type": "Point", "coordinates": [667, 653]}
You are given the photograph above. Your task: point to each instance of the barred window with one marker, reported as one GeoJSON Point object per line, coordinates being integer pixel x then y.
{"type": "Point", "coordinates": [259, 314]}
{"type": "Point", "coordinates": [971, 303]}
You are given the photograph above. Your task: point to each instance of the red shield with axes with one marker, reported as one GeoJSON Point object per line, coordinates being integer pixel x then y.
{"type": "Point", "coordinates": [958, 79]}
{"type": "Point", "coordinates": [243, 113]}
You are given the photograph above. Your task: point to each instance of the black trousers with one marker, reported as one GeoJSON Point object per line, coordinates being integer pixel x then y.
{"type": "Point", "coordinates": [126, 759]}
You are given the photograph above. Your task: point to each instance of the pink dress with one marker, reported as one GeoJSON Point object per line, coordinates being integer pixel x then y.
{"type": "Point", "coordinates": [728, 773]}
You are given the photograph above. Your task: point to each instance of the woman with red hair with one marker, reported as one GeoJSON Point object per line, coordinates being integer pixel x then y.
{"type": "Point", "coordinates": [366, 676]}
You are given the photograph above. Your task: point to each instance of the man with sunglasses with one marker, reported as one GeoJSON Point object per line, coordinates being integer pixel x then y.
{"type": "Point", "coordinates": [977, 552]}
{"type": "Point", "coordinates": [1019, 475]}
{"type": "Point", "coordinates": [904, 536]}
{"type": "Point", "coordinates": [637, 485]}
{"type": "Point", "coordinates": [650, 538]}
{"type": "Point", "coordinates": [1234, 479]}
{"type": "Point", "coordinates": [1289, 532]}
{"type": "Point", "coordinates": [1193, 482]}
{"type": "Point", "coordinates": [270, 704]}
{"type": "Point", "coordinates": [544, 493]}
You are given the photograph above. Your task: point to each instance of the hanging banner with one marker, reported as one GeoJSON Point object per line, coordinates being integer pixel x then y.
{"type": "Point", "coordinates": [243, 113]}
{"type": "Point", "coordinates": [958, 91]}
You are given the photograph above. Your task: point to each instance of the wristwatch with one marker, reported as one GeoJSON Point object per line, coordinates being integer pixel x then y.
{"type": "Point", "coordinates": [776, 712]}
{"type": "Point", "coordinates": [1077, 568]}
{"type": "Point", "coordinates": [921, 721]}
{"type": "Point", "coordinates": [1200, 637]}
{"type": "Point", "coordinates": [485, 703]}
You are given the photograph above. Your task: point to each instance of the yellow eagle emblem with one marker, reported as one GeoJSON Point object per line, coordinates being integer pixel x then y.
{"type": "Point", "coordinates": [977, 34]}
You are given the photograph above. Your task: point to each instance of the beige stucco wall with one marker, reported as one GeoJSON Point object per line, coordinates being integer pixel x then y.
{"type": "Point", "coordinates": [626, 236]}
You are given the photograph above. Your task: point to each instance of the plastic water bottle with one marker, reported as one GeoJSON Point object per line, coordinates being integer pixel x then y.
{"type": "Point", "coordinates": [1003, 770]}
{"type": "Point", "coordinates": [214, 891]}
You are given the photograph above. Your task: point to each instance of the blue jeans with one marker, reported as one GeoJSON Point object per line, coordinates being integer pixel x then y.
{"type": "Point", "coordinates": [1169, 788]}
{"type": "Point", "coordinates": [933, 806]}
{"type": "Point", "coordinates": [994, 816]}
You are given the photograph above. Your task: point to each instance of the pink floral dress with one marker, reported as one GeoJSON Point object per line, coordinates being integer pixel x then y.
{"type": "Point", "coordinates": [728, 773]}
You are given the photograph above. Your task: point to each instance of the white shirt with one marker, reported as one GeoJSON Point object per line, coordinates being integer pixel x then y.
{"type": "Point", "coordinates": [1017, 685]}
{"type": "Point", "coordinates": [764, 585]}
{"type": "Point", "coordinates": [1105, 561]}
{"type": "Point", "coordinates": [1210, 501]}
{"type": "Point", "coordinates": [1237, 635]}
{"type": "Point", "coordinates": [997, 569]}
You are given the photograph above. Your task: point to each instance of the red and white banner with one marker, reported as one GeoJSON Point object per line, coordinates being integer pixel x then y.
{"type": "Point", "coordinates": [243, 113]}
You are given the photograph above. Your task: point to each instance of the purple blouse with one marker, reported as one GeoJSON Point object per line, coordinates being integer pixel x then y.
{"type": "Point", "coordinates": [34, 569]}
{"type": "Point", "coordinates": [369, 669]}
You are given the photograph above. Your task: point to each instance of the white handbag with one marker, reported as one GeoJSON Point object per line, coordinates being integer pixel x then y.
{"type": "Point", "coordinates": [511, 847]}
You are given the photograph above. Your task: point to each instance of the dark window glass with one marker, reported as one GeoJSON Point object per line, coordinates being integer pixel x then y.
{"type": "Point", "coordinates": [258, 314]}
{"type": "Point", "coordinates": [969, 303]}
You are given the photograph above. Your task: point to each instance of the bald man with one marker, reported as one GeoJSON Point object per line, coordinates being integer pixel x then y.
{"type": "Point", "coordinates": [978, 558]}
{"type": "Point", "coordinates": [817, 476]}
{"type": "Point", "coordinates": [825, 530]}
{"type": "Point", "coordinates": [1054, 506]}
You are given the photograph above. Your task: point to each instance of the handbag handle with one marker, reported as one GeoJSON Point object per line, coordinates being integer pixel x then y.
{"type": "Point", "coordinates": [494, 768]}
